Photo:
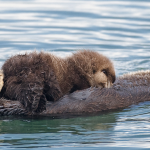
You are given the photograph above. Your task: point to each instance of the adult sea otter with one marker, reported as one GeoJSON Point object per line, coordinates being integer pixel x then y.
{"type": "Point", "coordinates": [128, 89]}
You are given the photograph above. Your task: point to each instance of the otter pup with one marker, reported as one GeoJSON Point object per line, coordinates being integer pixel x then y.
{"type": "Point", "coordinates": [35, 78]}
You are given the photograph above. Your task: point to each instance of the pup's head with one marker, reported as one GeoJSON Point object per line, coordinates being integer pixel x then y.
{"type": "Point", "coordinates": [97, 68]}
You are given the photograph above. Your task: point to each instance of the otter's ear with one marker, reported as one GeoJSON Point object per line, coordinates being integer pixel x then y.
{"type": "Point", "coordinates": [94, 71]}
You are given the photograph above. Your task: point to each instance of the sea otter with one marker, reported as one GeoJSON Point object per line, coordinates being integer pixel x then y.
{"type": "Point", "coordinates": [127, 90]}
{"type": "Point", "coordinates": [34, 78]}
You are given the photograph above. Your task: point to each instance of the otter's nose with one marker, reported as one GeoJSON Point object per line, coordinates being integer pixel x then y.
{"type": "Point", "coordinates": [113, 79]}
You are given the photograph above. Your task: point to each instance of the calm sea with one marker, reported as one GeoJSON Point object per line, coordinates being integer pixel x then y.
{"type": "Point", "coordinates": [119, 29]}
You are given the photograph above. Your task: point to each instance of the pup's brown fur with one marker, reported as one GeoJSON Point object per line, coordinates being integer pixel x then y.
{"type": "Point", "coordinates": [36, 77]}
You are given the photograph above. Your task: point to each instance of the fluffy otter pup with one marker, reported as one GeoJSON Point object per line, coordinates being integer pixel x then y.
{"type": "Point", "coordinates": [36, 77]}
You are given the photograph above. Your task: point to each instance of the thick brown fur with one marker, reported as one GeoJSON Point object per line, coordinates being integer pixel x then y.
{"type": "Point", "coordinates": [35, 78]}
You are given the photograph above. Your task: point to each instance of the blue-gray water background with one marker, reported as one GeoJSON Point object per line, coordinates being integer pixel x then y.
{"type": "Point", "coordinates": [119, 29]}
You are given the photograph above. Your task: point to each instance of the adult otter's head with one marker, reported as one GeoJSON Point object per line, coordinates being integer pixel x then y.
{"type": "Point", "coordinates": [96, 68]}
{"type": "Point", "coordinates": [1, 79]}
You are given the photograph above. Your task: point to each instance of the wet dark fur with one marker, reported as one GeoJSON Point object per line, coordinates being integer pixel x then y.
{"type": "Point", "coordinates": [127, 90]}
{"type": "Point", "coordinates": [35, 78]}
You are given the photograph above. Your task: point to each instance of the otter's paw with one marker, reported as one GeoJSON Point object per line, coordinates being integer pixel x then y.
{"type": "Point", "coordinates": [32, 98]}
{"type": "Point", "coordinates": [42, 104]}
{"type": "Point", "coordinates": [52, 89]}
{"type": "Point", "coordinates": [1, 79]}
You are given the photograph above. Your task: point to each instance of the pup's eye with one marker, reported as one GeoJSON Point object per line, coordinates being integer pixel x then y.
{"type": "Point", "coordinates": [104, 71]}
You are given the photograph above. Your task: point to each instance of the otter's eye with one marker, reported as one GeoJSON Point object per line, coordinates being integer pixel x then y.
{"type": "Point", "coordinates": [105, 72]}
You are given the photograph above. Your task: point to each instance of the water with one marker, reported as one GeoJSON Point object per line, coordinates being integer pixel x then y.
{"type": "Point", "coordinates": [119, 29]}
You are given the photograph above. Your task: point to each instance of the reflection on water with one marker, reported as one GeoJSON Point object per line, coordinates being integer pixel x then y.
{"type": "Point", "coordinates": [127, 128]}
{"type": "Point", "coordinates": [57, 125]}
{"type": "Point", "coordinates": [73, 132]}
{"type": "Point", "coordinates": [118, 29]}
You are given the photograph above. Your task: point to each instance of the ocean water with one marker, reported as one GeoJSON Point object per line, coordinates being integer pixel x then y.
{"type": "Point", "coordinates": [119, 29]}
